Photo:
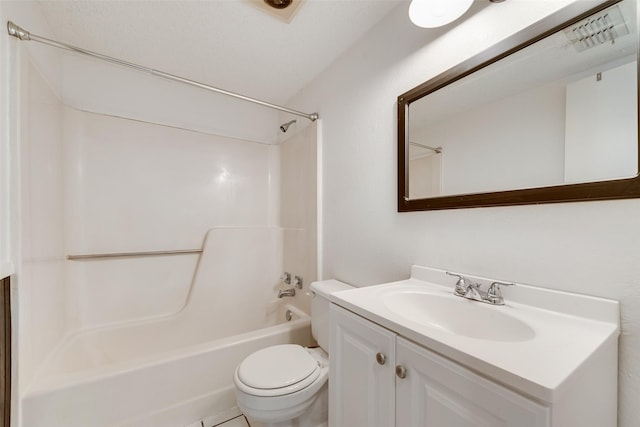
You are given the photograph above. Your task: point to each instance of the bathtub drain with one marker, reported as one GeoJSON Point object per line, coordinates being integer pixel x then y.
{"type": "Point", "coordinates": [288, 315]}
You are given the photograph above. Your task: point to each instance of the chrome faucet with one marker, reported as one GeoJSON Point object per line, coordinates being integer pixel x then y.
{"type": "Point", "coordinates": [470, 290]}
{"type": "Point", "coordinates": [291, 292]}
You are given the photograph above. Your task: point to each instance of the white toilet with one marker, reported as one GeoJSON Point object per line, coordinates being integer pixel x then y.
{"type": "Point", "coordinates": [286, 385]}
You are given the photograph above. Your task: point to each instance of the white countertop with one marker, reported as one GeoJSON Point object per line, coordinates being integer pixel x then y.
{"type": "Point", "coordinates": [568, 331]}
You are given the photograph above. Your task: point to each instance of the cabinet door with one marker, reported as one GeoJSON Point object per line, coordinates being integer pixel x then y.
{"type": "Point", "coordinates": [439, 393]}
{"type": "Point", "coordinates": [361, 378]}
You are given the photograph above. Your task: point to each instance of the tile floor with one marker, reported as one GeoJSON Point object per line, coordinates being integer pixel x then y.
{"type": "Point", "coordinates": [239, 421]}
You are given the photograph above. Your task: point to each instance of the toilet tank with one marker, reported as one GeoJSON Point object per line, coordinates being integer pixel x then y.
{"type": "Point", "coordinates": [320, 309]}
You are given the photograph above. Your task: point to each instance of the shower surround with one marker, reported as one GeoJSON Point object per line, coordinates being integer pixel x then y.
{"type": "Point", "coordinates": [94, 183]}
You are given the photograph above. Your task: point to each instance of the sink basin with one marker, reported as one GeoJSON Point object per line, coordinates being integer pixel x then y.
{"type": "Point", "coordinates": [458, 316]}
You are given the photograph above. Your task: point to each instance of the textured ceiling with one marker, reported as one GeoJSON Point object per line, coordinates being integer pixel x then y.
{"type": "Point", "coordinates": [230, 44]}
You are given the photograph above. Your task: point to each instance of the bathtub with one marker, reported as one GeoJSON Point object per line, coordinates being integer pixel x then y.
{"type": "Point", "coordinates": [172, 370]}
{"type": "Point", "coordinates": [172, 388]}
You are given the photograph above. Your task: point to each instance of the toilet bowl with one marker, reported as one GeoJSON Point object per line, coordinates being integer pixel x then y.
{"type": "Point", "coordinates": [286, 385]}
{"type": "Point", "coordinates": [283, 393]}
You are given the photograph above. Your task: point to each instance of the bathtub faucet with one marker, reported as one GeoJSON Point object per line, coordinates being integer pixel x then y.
{"type": "Point", "coordinates": [287, 293]}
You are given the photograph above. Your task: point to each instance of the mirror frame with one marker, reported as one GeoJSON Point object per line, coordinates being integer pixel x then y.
{"type": "Point", "coordinates": [625, 188]}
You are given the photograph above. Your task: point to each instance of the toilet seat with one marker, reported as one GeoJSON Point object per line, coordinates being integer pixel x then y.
{"type": "Point", "coordinates": [277, 370]}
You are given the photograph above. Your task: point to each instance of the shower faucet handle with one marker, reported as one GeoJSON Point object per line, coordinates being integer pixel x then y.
{"type": "Point", "coordinates": [297, 282]}
{"type": "Point", "coordinates": [286, 278]}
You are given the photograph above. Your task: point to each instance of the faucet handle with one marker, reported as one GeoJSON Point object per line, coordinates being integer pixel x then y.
{"type": "Point", "coordinates": [461, 284]}
{"type": "Point", "coordinates": [494, 296]}
{"type": "Point", "coordinates": [286, 278]}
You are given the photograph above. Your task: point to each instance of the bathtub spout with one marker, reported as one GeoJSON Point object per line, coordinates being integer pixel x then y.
{"type": "Point", "coordinates": [287, 293]}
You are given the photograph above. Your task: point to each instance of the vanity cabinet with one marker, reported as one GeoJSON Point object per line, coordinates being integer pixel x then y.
{"type": "Point", "coordinates": [379, 378]}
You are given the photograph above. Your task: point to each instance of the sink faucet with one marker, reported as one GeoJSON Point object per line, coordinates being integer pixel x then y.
{"type": "Point", "coordinates": [287, 293]}
{"type": "Point", "coordinates": [467, 289]}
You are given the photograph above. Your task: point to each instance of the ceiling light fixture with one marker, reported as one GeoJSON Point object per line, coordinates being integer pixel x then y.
{"type": "Point", "coordinates": [279, 4]}
{"type": "Point", "coordinates": [436, 13]}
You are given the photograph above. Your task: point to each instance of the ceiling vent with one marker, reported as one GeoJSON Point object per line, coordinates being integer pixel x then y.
{"type": "Point", "coordinates": [601, 28]}
{"type": "Point", "coordinates": [284, 10]}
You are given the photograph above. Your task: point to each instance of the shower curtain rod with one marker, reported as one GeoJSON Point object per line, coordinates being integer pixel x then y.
{"type": "Point", "coordinates": [417, 144]}
{"type": "Point", "coordinates": [20, 33]}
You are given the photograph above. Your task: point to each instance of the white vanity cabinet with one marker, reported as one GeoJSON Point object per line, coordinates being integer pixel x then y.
{"type": "Point", "coordinates": [379, 378]}
{"type": "Point", "coordinates": [544, 358]}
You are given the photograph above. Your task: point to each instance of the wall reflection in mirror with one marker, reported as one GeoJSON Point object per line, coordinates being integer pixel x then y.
{"type": "Point", "coordinates": [560, 111]}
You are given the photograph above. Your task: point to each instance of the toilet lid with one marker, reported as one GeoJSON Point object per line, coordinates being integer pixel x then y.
{"type": "Point", "coordinates": [276, 367]}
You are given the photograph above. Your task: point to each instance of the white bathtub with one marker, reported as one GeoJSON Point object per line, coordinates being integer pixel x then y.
{"type": "Point", "coordinates": [170, 371]}
{"type": "Point", "coordinates": [171, 389]}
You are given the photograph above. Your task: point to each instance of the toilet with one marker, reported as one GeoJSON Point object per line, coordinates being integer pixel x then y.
{"type": "Point", "coordinates": [286, 385]}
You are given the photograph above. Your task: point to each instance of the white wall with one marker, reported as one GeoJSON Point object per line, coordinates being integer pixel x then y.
{"type": "Point", "coordinates": [588, 247]}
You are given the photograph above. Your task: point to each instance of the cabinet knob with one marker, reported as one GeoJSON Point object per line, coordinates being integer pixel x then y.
{"type": "Point", "coordinates": [401, 372]}
{"type": "Point", "coordinates": [381, 359]}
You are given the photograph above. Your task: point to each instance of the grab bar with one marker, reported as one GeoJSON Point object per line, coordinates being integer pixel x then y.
{"type": "Point", "coordinates": [134, 254]}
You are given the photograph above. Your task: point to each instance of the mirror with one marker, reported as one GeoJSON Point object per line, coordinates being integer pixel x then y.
{"type": "Point", "coordinates": [548, 115]}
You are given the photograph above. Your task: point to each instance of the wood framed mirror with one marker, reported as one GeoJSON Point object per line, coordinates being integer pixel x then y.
{"type": "Point", "coordinates": [548, 115]}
